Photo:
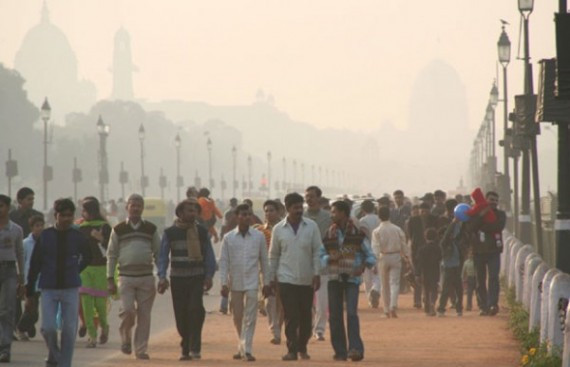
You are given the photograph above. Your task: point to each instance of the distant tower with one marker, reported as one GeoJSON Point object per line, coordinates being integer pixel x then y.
{"type": "Point", "coordinates": [123, 67]}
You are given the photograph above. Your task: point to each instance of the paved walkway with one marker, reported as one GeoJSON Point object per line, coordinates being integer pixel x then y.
{"type": "Point", "coordinates": [411, 340]}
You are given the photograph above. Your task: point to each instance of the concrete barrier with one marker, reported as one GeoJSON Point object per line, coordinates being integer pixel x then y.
{"type": "Point", "coordinates": [522, 254]}
{"type": "Point", "coordinates": [508, 241]}
{"type": "Point", "coordinates": [536, 296]}
{"type": "Point", "coordinates": [530, 265]}
{"type": "Point", "coordinates": [544, 309]}
{"type": "Point", "coordinates": [515, 247]}
{"type": "Point", "coordinates": [557, 304]}
{"type": "Point", "coordinates": [566, 351]}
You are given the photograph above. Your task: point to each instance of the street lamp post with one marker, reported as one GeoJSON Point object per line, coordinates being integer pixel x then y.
{"type": "Point", "coordinates": [103, 130]}
{"type": "Point", "coordinates": [269, 174]}
{"type": "Point", "coordinates": [249, 183]}
{"type": "Point", "coordinates": [210, 178]}
{"type": "Point", "coordinates": [45, 115]}
{"type": "Point", "coordinates": [235, 183]}
{"type": "Point", "coordinates": [504, 53]}
{"type": "Point", "coordinates": [123, 179]}
{"type": "Point", "coordinates": [143, 177]}
{"type": "Point", "coordinates": [179, 180]}
{"type": "Point", "coordinates": [284, 175]}
{"type": "Point", "coordinates": [294, 183]}
{"type": "Point", "coordinates": [11, 171]}
{"type": "Point", "coordinates": [76, 177]}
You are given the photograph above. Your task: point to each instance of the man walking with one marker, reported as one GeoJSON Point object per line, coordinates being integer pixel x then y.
{"type": "Point", "coordinates": [368, 223]}
{"type": "Point", "coordinates": [487, 245]}
{"type": "Point", "coordinates": [133, 246]}
{"type": "Point", "coordinates": [187, 248]}
{"type": "Point", "coordinates": [243, 255]}
{"type": "Point", "coordinates": [61, 253]}
{"type": "Point", "coordinates": [294, 258]}
{"type": "Point", "coordinates": [389, 244]}
{"type": "Point", "coordinates": [344, 257]}
{"type": "Point", "coordinates": [322, 217]}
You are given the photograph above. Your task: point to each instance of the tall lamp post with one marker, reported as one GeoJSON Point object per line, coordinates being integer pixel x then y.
{"type": "Point", "coordinates": [269, 174]}
{"type": "Point", "coordinates": [235, 183]}
{"type": "Point", "coordinates": [284, 175]}
{"type": "Point", "coordinates": [47, 173]}
{"type": "Point", "coordinates": [179, 181]}
{"type": "Point", "coordinates": [11, 171]}
{"type": "Point", "coordinates": [103, 130]}
{"type": "Point", "coordinates": [210, 179]}
{"type": "Point", "coordinates": [504, 53]}
{"type": "Point", "coordinates": [143, 177]}
{"type": "Point", "coordinates": [249, 183]}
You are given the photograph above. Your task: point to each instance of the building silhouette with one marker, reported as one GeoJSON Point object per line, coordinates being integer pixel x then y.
{"type": "Point", "coordinates": [123, 67]}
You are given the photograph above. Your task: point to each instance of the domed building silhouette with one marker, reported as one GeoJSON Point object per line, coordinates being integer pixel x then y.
{"type": "Point", "coordinates": [48, 64]}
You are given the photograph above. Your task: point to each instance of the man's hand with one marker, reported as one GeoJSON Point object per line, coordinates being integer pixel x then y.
{"type": "Point", "coordinates": [29, 304]}
{"type": "Point", "coordinates": [225, 292]}
{"type": "Point", "coordinates": [162, 286]}
{"type": "Point", "coordinates": [375, 270]}
{"type": "Point", "coordinates": [273, 285]}
{"type": "Point", "coordinates": [358, 272]}
{"type": "Point", "coordinates": [21, 292]}
{"type": "Point", "coordinates": [111, 286]}
{"type": "Point", "coordinates": [207, 284]}
{"type": "Point", "coordinates": [316, 283]}
{"type": "Point", "coordinates": [486, 210]}
{"type": "Point", "coordinates": [266, 291]}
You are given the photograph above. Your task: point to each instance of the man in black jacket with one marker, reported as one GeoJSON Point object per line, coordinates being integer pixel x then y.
{"type": "Point", "coordinates": [487, 245]}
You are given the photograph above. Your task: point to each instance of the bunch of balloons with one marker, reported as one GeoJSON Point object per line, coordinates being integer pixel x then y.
{"type": "Point", "coordinates": [460, 212]}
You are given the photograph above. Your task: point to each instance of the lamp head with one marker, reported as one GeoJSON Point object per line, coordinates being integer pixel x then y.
{"type": "Point", "coordinates": [504, 48]}
{"type": "Point", "coordinates": [46, 110]}
{"type": "Point", "coordinates": [177, 140]}
{"type": "Point", "coordinates": [141, 132]}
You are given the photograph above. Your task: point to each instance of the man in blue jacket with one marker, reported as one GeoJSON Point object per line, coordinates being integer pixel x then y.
{"type": "Point", "coordinates": [60, 254]}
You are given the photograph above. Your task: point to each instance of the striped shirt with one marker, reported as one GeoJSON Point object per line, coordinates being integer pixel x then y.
{"type": "Point", "coordinates": [11, 247]}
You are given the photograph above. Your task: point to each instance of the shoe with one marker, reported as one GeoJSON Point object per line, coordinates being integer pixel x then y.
{"type": "Point", "coordinates": [374, 298]}
{"type": "Point", "coordinates": [304, 355]}
{"type": "Point", "coordinates": [493, 310]}
{"type": "Point", "coordinates": [275, 341]}
{"type": "Point", "coordinates": [21, 336]}
{"type": "Point", "coordinates": [196, 355]}
{"type": "Point", "coordinates": [337, 357]}
{"type": "Point", "coordinates": [320, 337]}
{"type": "Point", "coordinates": [459, 313]}
{"type": "Point", "coordinates": [223, 312]}
{"type": "Point", "coordinates": [355, 355]}
{"type": "Point", "coordinates": [104, 338]}
{"type": "Point", "coordinates": [126, 349]}
{"type": "Point", "coordinates": [91, 343]}
{"type": "Point", "coordinates": [289, 357]}
{"type": "Point", "coordinates": [483, 313]}
{"type": "Point", "coordinates": [32, 331]}
{"type": "Point", "coordinates": [4, 357]}
{"type": "Point", "coordinates": [82, 331]}
{"type": "Point", "coordinates": [185, 357]}
{"type": "Point", "coordinates": [248, 357]}
{"type": "Point", "coordinates": [237, 356]}
{"type": "Point", "coordinates": [393, 314]}
{"type": "Point", "coordinates": [143, 356]}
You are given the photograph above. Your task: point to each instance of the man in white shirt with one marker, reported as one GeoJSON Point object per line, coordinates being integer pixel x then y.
{"type": "Point", "coordinates": [294, 258]}
{"type": "Point", "coordinates": [388, 244]}
{"type": "Point", "coordinates": [243, 253]}
{"type": "Point", "coordinates": [368, 223]}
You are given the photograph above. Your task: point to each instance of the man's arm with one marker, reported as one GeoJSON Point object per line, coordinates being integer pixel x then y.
{"type": "Point", "coordinates": [317, 243]}
{"type": "Point", "coordinates": [209, 260]}
{"type": "Point", "coordinates": [376, 241]}
{"type": "Point", "coordinates": [264, 261]}
{"type": "Point", "coordinates": [163, 257]}
{"type": "Point", "coordinates": [112, 255]}
{"type": "Point", "coordinates": [274, 254]}
{"type": "Point", "coordinates": [223, 263]}
{"type": "Point", "coordinates": [497, 226]}
{"type": "Point", "coordinates": [35, 267]}
{"type": "Point", "coordinates": [85, 252]}
{"type": "Point", "coordinates": [19, 249]}
{"type": "Point", "coordinates": [155, 247]}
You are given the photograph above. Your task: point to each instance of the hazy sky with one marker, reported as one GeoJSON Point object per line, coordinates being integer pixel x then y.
{"type": "Point", "coordinates": [332, 63]}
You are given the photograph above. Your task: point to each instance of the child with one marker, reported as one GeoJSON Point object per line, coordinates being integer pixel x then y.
{"type": "Point", "coordinates": [428, 269]}
{"type": "Point", "coordinates": [468, 276]}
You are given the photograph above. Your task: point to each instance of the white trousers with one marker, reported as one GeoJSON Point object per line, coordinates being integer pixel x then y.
{"type": "Point", "coordinates": [371, 281]}
{"type": "Point", "coordinates": [390, 268]}
{"type": "Point", "coordinates": [244, 310]}
{"type": "Point", "coordinates": [321, 306]}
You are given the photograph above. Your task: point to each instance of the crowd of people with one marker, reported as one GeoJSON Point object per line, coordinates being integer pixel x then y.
{"type": "Point", "coordinates": [301, 266]}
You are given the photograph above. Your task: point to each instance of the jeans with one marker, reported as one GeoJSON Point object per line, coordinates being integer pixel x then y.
{"type": "Point", "coordinates": [68, 300]}
{"type": "Point", "coordinates": [339, 291]}
{"type": "Point", "coordinates": [189, 312]}
{"type": "Point", "coordinates": [451, 284]}
{"type": "Point", "coordinates": [8, 286]}
{"type": "Point", "coordinates": [488, 265]}
{"type": "Point", "coordinates": [297, 303]}
{"type": "Point", "coordinates": [430, 294]}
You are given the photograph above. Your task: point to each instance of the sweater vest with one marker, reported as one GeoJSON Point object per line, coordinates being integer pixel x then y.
{"type": "Point", "coordinates": [181, 266]}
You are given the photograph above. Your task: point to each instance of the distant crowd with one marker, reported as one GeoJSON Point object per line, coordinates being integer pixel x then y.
{"type": "Point", "coordinates": [301, 266]}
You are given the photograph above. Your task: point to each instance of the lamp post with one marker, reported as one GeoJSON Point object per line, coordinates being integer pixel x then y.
{"type": "Point", "coordinates": [11, 171]}
{"type": "Point", "coordinates": [302, 174]}
{"type": "Point", "coordinates": [123, 179]}
{"type": "Point", "coordinates": [249, 183]}
{"type": "Point", "coordinates": [45, 115]}
{"type": "Point", "coordinates": [284, 175]}
{"type": "Point", "coordinates": [76, 177]}
{"type": "Point", "coordinates": [504, 53]}
{"type": "Point", "coordinates": [269, 174]}
{"type": "Point", "coordinates": [143, 177]}
{"type": "Point", "coordinates": [210, 178]}
{"type": "Point", "coordinates": [103, 130]}
{"type": "Point", "coordinates": [294, 183]}
{"type": "Point", "coordinates": [490, 115]}
{"type": "Point", "coordinates": [235, 183]}
{"type": "Point", "coordinates": [179, 183]}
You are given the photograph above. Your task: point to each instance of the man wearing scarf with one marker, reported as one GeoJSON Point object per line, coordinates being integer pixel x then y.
{"type": "Point", "coordinates": [344, 257]}
{"type": "Point", "coordinates": [186, 247]}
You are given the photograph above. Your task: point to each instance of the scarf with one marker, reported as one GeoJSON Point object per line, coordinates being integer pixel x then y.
{"type": "Point", "coordinates": [192, 240]}
{"type": "Point", "coordinates": [92, 223]}
{"type": "Point", "coordinates": [349, 250]}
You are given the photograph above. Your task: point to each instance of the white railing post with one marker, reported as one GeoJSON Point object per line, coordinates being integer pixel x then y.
{"type": "Point", "coordinates": [523, 253]}
{"type": "Point", "coordinates": [515, 247]}
{"type": "Point", "coordinates": [532, 262]}
{"type": "Point", "coordinates": [544, 307]}
{"type": "Point", "coordinates": [566, 350]}
{"type": "Point", "coordinates": [559, 293]}
{"type": "Point", "coordinates": [536, 296]}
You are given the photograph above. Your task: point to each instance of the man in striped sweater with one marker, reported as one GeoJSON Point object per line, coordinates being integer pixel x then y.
{"type": "Point", "coordinates": [134, 246]}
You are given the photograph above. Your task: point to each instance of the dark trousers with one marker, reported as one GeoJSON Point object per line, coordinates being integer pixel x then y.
{"type": "Point", "coordinates": [470, 290]}
{"type": "Point", "coordinates": [451, 284]}
{"type": "Point", "coordinates": [297, 301]}
{"type": "Point", "coordinates": [339, 292]}
{"type": "Point", "coordinates": [430, 294]}
{"type": "Point", "coordinates": [189, 312]}
{"type": "Point", "coordinates": [417, 289]}
{"type": "Point", "coordinates": [487, 265]}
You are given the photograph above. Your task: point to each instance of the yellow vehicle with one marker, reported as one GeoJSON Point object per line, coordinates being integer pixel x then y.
{"type": "Point", "coordinates": [155, 212]}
